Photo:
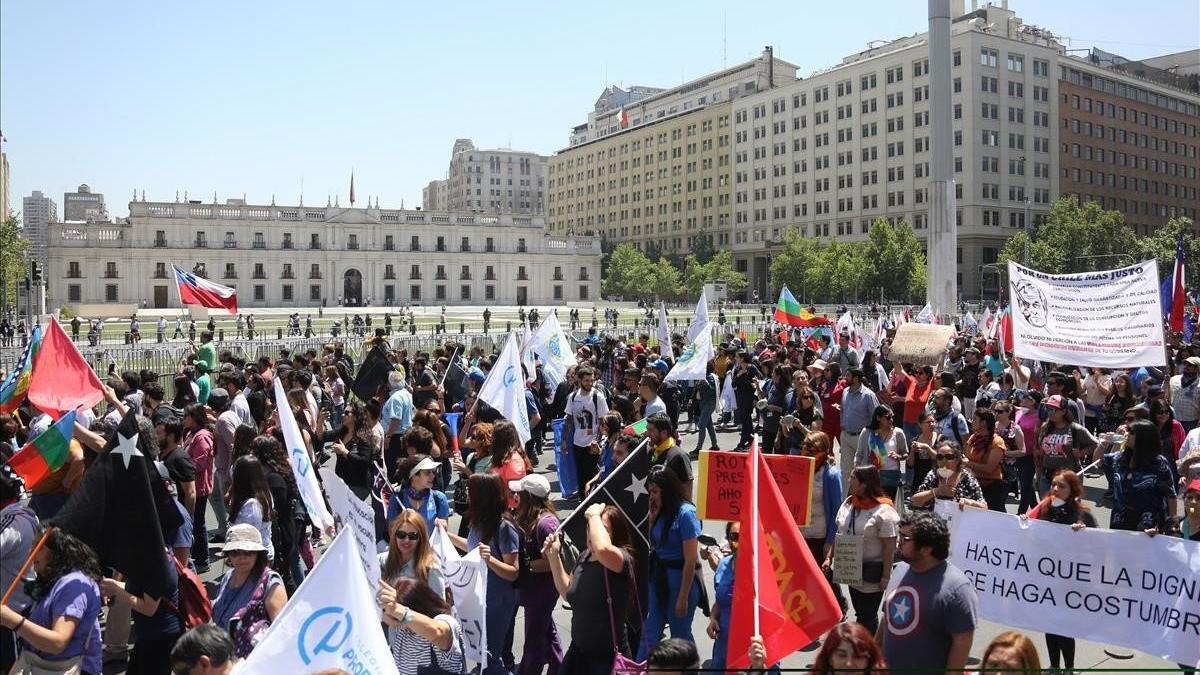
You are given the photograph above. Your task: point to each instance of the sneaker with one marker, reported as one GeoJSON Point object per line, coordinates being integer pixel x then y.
{"type": "Point", "coordinates": [202, 569]}
{"type": "Point", "coordinates": [695, 454]}
{"type": "Point", "coordinates": [714, 449]}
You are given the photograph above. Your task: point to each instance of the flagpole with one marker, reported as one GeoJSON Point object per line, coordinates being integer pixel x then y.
{"type": "Point", "coordinates": [448, 364]}
{"type": "Point", "coordinates": [754, 541]}
{"type": "Point", "coordinates": [12, 587]}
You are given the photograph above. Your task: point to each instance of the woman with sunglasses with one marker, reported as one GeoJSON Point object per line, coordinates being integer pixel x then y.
{"type": "Point", "coordinates": [868, 514]}
{"type": "Point", "coordinates": [718, 623]}
{"type": "Point", "coordinates": [1170, 430]}
{"type": "Point", "coordinates": [250, 499]}
{"type": "Point", "coordinates": [1061, 441]}
{"type": "Point", "coordinates": [921, 447]}
{"type": "Point", "coordinates": [951, 481]}
{"type": "Point", "coordinates": [351, 443]}
{"type": "Point", "coordinates": [416, 475]}
{"type": "Point", "coordinates": [250, 595]}
{"type": "Point", "coordinates": [882, 445]}
{"type": "Point", "coordinates": [1064, 505]}
{"type": "Point", "coordinates": [1015, 456]}
{"type": "Point", "coordinates": [1143, 481]}
{"type": "Point", "coordinates": [409, 555]}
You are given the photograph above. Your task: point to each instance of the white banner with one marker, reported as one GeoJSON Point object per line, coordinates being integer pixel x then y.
{"type": "Point", "coordinates": [664, 333]}
{"type": "Point", "coordinates": [699, 318]}
{"type": "Point", "coordinates": [302, 468]}
{"type": "Point", "coordinates": [330, 623]}
{"type": "Point", "coordinates": [466, 577]}
{"type": "Point", "coordinates": [1105, 319]}
{"type": "Point", "coordinates": [504, 388]}
{"type": "Point", "coordinates": [551, 344]}
{"type": "Point", "coordinates": [692, 364]}
{"type": "Point", "coordinates": [1121, 588]}
{"type": "Point", "coordinates": [356, 515]}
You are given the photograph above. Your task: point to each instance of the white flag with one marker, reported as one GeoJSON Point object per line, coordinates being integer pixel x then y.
{"type": "Point", "coordinates": [527, 359]}
{"type": "Point", "coordinates": [551, 344]}
{"type": "Point", "coordinates": [845, 324]}
{"type": "Point", "coordinates": [357, 516]}
{"type": "Point", "coordinates": [985, 323]}
{"type": "Point", "coordinates": [926, 315]}
{"type": "Point", "coordinates": [969, 323]}
{"type": "Point", "coordinates": [664, 333]}
{"type": "Point", "coordinates": [302, 467]}
{"type": "Point", "coordinates": [699, 318]}
{"type": "Point", "coordinates": [466, 577]}
{"type": "Point", "coordinates": [504, 389]}
{"type": "Point", "coordinates": [692, 364]}
{"type": "Point", "coordinates": [330, 623]}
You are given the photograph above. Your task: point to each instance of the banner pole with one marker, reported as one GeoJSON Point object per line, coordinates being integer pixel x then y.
{"type": "Point", "coordinates": [754, 528]}
{"type": "Point", "coordinates": [448, 364]}
{"type": "Point", "coordinates": [12, 587]}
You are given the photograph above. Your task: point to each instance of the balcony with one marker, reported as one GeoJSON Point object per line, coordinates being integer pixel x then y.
{"type": "Point", "coordinates": [111, 274]}
{"type": "Point", "coordinates": [389, 275]}
{"type": "Point", "coordinates": [259, 274]}
{"type": "Point", "coordinates": [352, 246]}
{"type": "Point", "coordinates": [558, 276]}
{"type": "Point", "coordinates": [465, 248]}
{"type": "Point", "coordinates": [522, 248]}
{"type": "Point", "coordinates": [287, 243]}
{"type": "Point", "coordinates": [314, 246]}
{"type": "Point", "coordinates": [287, 274]}
{"type": "Point", "coordinates": [441, 248]}
{"type": "Point", "coordinates": [230, 275]}
{"type": "Point", "coordinates": [230, 243]}
{"type": "Point", "coordinates": [158, 274]}
{"type": "Point", "coordinates": [415, 247]}
{"type": "Point", "coordinates": [200, 243]}
{"type": "Point", "coordinates": [521, 276]}
{"type": "Point", "coordinates": [490, 276]}
{"type": "Point", "coordinates": [489, 249]}
{"type": "Point", "coordinates": [440, 276]}
{"type": "Point", "coordinates": [315, 275]}
{"type": "Point", "coordinates": [76, 274]}
{"type": "Point", "coordinates": [260, 244]}
{"type": "Point", "coordinates": [583, 276]}
{"type": "Point", "coordinates": [160, 243]}
{"type": "Point", "coordinates": [414, 276]}
{"type": "Point", "coordinates": [389, 246]}
{"type": "Point", "coordinates": [465, 276]}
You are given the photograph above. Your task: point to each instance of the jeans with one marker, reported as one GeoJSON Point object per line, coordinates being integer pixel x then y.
{"type": "Point", "coordinates": [1025, 475]}
{"type": "Point", "coordinates": [217, 499]}
{"type": "Point", "coordinates": [500, 609]}
{"type": "Point", "coordinates": [658, 617]}
{"type": "Point", "coordinates": [200, 532]}
{"type": "Point", "coordinates": [704, 422]}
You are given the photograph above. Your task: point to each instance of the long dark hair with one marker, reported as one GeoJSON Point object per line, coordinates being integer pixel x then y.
{"type": "Point", "coordinates": [198, 414]}
{"type": "Point", "coordinates": [488, 504]}
{"type": "Point", "coordinates": [67, 554]}
{"type": "Point", "coordinates": [530, 509]}
{"type": "Point", "coordinates": [420, 598]}
{"type": "Point", "coordinates": [269, 452]}
{"type": "Point", "coordinates": [670, 493]}
{"type": "Point", "coordinates": [184, 396]}
{"type": "Point", "coordinates": [249, 482]}
{"type": "Point", "coordinates": [1147, 445]}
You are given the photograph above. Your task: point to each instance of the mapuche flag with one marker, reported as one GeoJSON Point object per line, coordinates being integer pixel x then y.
{"type": "Point", "coordinates": [776, 578]}
{"type": "Point", "coordinates": [45, 454]}
{"type": "Point", "coordinates": [16, 385]}
{"type": "Point", "coordinates": [789, 312]}
{"type": "Point", "coordinates": [61, 379]}
{"type": "Point", "coordinates": [120, 510]}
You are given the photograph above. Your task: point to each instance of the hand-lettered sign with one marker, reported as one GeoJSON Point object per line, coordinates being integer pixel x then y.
{"type": "Point", "coordinates": [723, 479]}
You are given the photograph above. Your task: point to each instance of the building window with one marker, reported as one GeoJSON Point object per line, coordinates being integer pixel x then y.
{"type": "Point", "coordinates": [314, 271]}
{"type": "Point", "coordinates": [230, 271]}
{"type": "Point", "coordinates": [389, 293]}
{"type": "Point", "coordinates": [521, 274]}
{"type": "Point", "coordinates": [110, 293]}
{"type": "Point", "coordinates": [201, 240]}
{"type": "Point", "coordinates": [464, 292]}
{"type": "Point", "coordinates": [521, 246]}
{"type": "Point", "coordinates": [314, 292]}
{"type": "Point", "coordinates": [287, 271]}
{"type": "Point", "coordinates": [490, 245]}
{"type": "Point", "coordinates": [258, 271]}
{"type": "Point", "coordinates": [489, 273]}
{"type": "Point", "coordinates": [415, 243]}
{"type": "Point", "coordinates": [110, 270]}
{"type": "Point", "coordinates": [389, 271]}
{"type": "Point", "coordinates": [464, 244]}
{"type": "Point", "coordinates": [440, 273]}
{"type": "Point", "coordinates": [389, 244]}
{"type": "Point", "coordinates": [287, 240]}
{"type": "Point", "coordinates": [259, 242]}
{"type": "Point", "coordinates": [465, 272]}
{"type": "Point", "coordinates": [558, 293]}
{"type": "Point", "coordinates": [583, 292]}
{"type": "Point", "coordinates": [230, 241]}
{"type": "Point", "coordinates": [439, 292]}
{"type": "Point", "coordinates": [160, 270]}
{"type": "Point", "coordinates": [287, 292]}
{"type": "Point", "coordinates": [74, 293]}
{"type": "Point", "coordinates": [441, 244]}
{"type": "Point", "coordinates": [489, 292]}
{"type": "Point", "coordinates": [160, 239]}
{"type": "Point", "coordinates": [414, 292]}
{"type": "Point", "coordinates": [314, 241]}
{"type": "Point", "coordinates": [414, 272]}
{"type": "Point", "coordinates": [352, 242]}
{"type": "Point", "coordinates": [260, 292]}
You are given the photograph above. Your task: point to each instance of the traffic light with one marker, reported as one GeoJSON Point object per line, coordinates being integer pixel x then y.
{"type": "Point", "coordinates": [35, 272]}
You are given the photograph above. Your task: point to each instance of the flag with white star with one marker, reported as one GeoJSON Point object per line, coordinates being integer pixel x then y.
{"type": "Point", "coordinates": [624, 488]}
{"type": "Point", "coordinates": [115, 510]}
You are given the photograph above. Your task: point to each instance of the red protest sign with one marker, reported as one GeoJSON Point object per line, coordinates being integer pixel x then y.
{"type": "Point", "coordinates": [723, 478]}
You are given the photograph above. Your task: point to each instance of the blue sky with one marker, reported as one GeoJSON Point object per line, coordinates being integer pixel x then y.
{"type": "Point", "coordinates": [254, 97]}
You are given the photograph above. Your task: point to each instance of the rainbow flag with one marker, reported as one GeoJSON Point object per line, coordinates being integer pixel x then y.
{"type": "Point", "coordinates": [45, 454]}
{"type": "Point", "coordinates": [12, 391]}
{"type": "Point", "coordinates": [789, 312]}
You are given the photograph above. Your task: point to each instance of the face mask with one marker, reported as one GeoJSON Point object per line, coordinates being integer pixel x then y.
{"type": "Point", "coordinates": [1056, 502]}
{"type": "Point", "coordinates": [944, 473]}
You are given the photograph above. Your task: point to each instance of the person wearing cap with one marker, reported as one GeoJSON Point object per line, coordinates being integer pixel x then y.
{"type": "Point", "coordinates": [1185, 393]}
{"type": "Point", "coordinates": [250, 594]}
{"type": "Point", "coordinates": [1188, 523]}
{"type": "Point", "coordinates": [416, 475]}
{"type": "Point", "coordinates": [1061, 441]}
{"type": "Point", "coordinates": [536, 521]}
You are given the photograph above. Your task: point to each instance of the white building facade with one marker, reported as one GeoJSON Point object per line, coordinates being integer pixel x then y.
{"type": "Point", "coordinates": [832, 153]}
{"type": "Point", "coordinates": [283, 256]}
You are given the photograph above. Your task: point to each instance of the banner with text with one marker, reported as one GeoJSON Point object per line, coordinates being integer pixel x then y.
{"type": "Point", "coordinates": [1122, 588]}
{"type": "Point", "coordinates": [1105, 319]}
{"type": "Point", "coordinates": [356, 514]}
{"type": "Point", "coordinates": [723, 477]}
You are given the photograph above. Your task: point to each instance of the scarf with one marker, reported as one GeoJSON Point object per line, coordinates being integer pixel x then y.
{"type": "Point", "coordinates": [868, 503]}
{"type": "Point", "coordinates": [877, 448]}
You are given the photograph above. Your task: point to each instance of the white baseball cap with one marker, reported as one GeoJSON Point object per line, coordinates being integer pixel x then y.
{"type": "Point", "coordinates": [534, 483]}
{"type": "Point", "coordinates": [426, 464]}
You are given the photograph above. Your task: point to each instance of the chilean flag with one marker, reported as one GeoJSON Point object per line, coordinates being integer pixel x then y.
{"type": "Point", "coordinates": [1178, 295]}
{"type": "Point", "coordinates": [194, 290]}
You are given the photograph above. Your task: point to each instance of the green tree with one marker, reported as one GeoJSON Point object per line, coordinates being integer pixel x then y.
{"type": "Point", "coordinates": [13, 261]}
{"type": "Point", "coordinates": [839, 272]}
{"type": "Point", "coordinates": [792, 265]}
{"type": "Point", "coordinates": [894, 259]}
{"type": "Point", "coordinates": [1161, 246]}
{"type": "Point", "coordinates": [719, 268]}
{"type": "Point", "coordinates": [628, 273]}
{"type": "Point", "coordinates": [662, 280]}
{"type": "Point", "coordinates": [1076, 238]}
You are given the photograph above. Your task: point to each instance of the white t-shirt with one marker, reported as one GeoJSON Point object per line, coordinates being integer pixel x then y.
{"type": "Point", "coordinates": [586, 411]}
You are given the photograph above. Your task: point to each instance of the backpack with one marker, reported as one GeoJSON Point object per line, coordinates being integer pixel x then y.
{"type": "Point", "coordinates": [194, 607]}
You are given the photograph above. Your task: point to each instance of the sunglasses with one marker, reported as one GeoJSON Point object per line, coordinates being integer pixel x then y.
{"type": "Point", "coordinates": [238, 554]}
{"type": "Point", "coordinates": [733, 536]}
{"type": "Point", "coordinates": [1058, 484]}
{"type": "Point", "coordinates": [411, 536]}
{"type": "Point", "coordinates": [946, 458]}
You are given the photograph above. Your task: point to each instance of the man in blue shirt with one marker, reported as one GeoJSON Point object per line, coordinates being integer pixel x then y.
{"type": "Point", "coordinates": [395, 418]}
{"type": "Point", "coordinates": [858, 404]}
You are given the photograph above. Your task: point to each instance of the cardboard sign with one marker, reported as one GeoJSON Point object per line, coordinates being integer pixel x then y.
{"type": "Point", "coordinates": [848, 559]}
{"type": "Point", "coordinates": [920, 344]}
{"type": "Point", "coordinates": [723, 479]}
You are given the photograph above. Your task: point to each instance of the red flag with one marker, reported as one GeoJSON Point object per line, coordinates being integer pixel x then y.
{"type": "Point", "coordinates": [61, 379]}
{"type": "Point", "coordinates": [776, 577]}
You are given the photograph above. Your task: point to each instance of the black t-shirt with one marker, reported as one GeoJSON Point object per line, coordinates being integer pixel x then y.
{"type": "Point", "coordinates": [591, 632]}
{"type": "Point", "coordinates": [743, 382]}
{"type": "Point", "coordinates": [420, 398]}
{"type": "Point", "coordinates": [677, 461]}
{"type": "Point", "coordinates": [180, 468]}
{"type": "Point", "coordinates": [165, 622]}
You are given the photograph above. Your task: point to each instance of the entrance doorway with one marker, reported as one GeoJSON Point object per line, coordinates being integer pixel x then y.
{"type": "Point", "coordinates": [160, 297]}
{"type": "Point", "coordinates": [352, 288]}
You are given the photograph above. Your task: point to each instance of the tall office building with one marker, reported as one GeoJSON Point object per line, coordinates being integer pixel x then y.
{"type": "Point", "coordinates": [433, 195]}
{"type": "Point", "coordinates": [5, 187]}
{"type": "Point", "coordinates": [37, 212]}
{"type": "Point", "coordinates": [494, 181]}
{"type": "Point", "coordinates": [83, 205]}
